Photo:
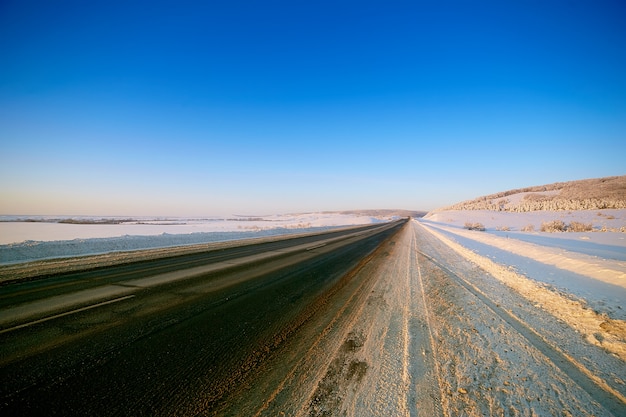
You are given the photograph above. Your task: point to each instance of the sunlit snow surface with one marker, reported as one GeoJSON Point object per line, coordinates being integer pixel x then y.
{"type": "Point", "coordinates": [26, 238]}
{"type": "Point", "coordinates": [590, 266]}
{"type": "Point", "coordinates": [597, 243]}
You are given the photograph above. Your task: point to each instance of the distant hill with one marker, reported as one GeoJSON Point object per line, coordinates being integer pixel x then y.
{"type": "Point", "coordinates": [385, 213]}
{"type": "Point", "coordinates": [589, 194]}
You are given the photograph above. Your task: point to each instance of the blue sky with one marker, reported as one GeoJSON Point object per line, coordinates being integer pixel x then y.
{"type": "Point", "coordinates": [220, 107]}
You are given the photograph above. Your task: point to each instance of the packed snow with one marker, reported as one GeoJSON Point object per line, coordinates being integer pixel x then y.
{"type": "Point", "coordinates": [27, 238]}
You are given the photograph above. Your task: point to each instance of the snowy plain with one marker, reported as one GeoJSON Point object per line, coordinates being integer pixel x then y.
{"type": "Point", "coordinates": [28, 238]}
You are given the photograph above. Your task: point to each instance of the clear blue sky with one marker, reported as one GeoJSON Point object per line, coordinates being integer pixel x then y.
{"type": "Point", "coordinates": [217, 107]}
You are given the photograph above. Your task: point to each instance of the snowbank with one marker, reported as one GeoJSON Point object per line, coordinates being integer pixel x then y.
{"type": "Point", "coordinates": [589, 266]}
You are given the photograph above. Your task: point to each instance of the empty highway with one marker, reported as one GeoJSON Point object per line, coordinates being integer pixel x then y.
{"type": "Point", "coordinates": [172, 336]}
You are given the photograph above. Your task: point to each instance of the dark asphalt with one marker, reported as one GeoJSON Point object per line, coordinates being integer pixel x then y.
{"type": "Point", "coordinates": [46, 286]}
{"type": "Point", "coordinates": [177, 349]}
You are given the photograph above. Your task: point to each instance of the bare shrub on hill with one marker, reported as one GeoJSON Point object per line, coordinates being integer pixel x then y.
{"type": "Point", "coordinates": [474, 226]}
{"type": "Point", "coordinates": [579, 227]}
{"type": "Point", "coordinates": [560, 226]}
{"type": "Point", "coordinates": [553, 226]}
{"type": "Point", "coordinates": [528, 228]}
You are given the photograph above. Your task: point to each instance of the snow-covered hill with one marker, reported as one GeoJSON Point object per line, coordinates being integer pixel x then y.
{"type": "Point", "coordinates": [588, 194]}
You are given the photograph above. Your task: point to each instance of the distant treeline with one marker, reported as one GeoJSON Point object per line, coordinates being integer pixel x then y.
{"type": "Point", "coordinates": [94, 221]}
{"type": "Point", "coordinates": [590, 194]}
{"type": "Point", "coordinates": [66, 221]}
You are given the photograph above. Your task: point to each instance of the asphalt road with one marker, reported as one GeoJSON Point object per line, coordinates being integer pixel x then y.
{"type": "Point", "coordinates": [173, 336]}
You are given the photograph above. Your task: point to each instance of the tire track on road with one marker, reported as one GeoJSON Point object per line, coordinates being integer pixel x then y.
{"type": "Point", "coordinates": [439, 405]}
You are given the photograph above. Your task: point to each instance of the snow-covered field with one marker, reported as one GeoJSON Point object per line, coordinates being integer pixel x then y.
{"type": "Point", "coordinates": [27, 238]}
{"type": "Point", "coordinates": [589, 267]}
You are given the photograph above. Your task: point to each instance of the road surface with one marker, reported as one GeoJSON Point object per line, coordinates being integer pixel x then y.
{"type": "Point", "coordinates": [387, 322]}
{"type": "Point", "coordinates": [166, 336]}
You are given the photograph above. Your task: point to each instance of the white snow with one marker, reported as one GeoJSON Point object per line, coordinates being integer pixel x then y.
{"type": "Point", "coordinates": [607, 218]}
{"type": "Point", "coordinates": [587, 266]}
{"type": "Point", "coordinates": [30, 238]}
